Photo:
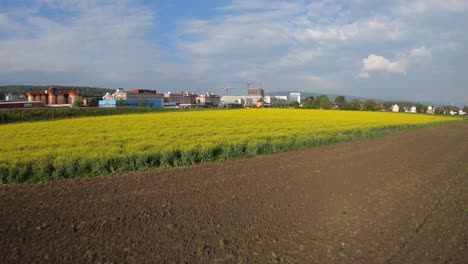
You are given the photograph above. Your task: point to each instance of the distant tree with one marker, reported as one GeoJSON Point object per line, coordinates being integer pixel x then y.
{"type": "Point", "coordinates": [420, 108]}
{"type": "Point", "coordinates": [341, 102]}
{"type": "Point", "coordinates": [324, 102]}
{"type": "Point", "coordinates": [465, 108]}
{"type": "Point", "coordinates": [371, 105]}
{"type": "Point", "coordinates": [280, 105]}
{"type": "Point", "coordinates": [78, 102]}
{"type": "Point", "coordinates": [355, 105]}
{"type": "Point", "coordinates": [448, 108]}
{"type": "Point", "coordinates": [121, 103]}
{"type": "Point", "coordinates": [346, 106]}
{"type": "Point", "coordinates": [93, 102]}
{"type": "Point", "coordinates": [439, 111]}
{"type": "Point", "coordinates": [308, 102]}
{"type": "Point", "coordinates": [340, 99]}
{"type": "Point", "coordinates": [294, 104]}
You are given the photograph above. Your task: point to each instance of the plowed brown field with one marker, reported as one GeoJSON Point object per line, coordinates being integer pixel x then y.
{"type": "Point", "coordinates": [398, 199]}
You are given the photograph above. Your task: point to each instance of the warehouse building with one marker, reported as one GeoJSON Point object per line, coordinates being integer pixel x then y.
{"type": "Point", "coordinates": [209, 100]}
{"type": "Point", "coordinates": [13, 105]}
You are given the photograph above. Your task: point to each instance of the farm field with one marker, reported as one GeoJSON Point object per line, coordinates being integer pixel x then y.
{"type": "Point", "coordinates": [395, 199]}
{"type": "Point", "coordinates": [81, 147]}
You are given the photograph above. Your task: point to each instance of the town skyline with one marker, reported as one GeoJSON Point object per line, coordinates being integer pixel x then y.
{"type": "Point", "coordinates": [389, 51]}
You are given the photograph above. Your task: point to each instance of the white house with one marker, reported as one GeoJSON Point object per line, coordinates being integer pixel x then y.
{"type": "Point", "coordinates": [108, 96]}
{"type": "Point", "coordinates": [460, 112]}
{"type": "Point", "coordinates": [430, 110]}
{"type": "Point", "coordinates": [452, 112]}
{"type": "Point", "coordinates": [413, 109]}
{"type": "Point", "coordinates": [119, 94]}
{"type": "Point", "coordinates": [395, 108]}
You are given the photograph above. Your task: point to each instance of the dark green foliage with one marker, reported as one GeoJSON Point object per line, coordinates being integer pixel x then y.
{"type": "Point", "coordinates": [280, 105]}
{"type": "Point", "coordinates": [121, 103]}
{"type": "Point", "coordinates": [78, 102]}
{"type": "Point", "coordinates": [294, 104]}
{"type": "Point", "coordinates": [420, 108]}
{"type": "Point", "coordinates": [324, 102]}
{"type": "Point", "coordinates": [320, 102]}
{"type": "Point", "coordinates": [371, 105]}
{"type": "Point", "coordinates": [340, 100]}
{"type": "Point", "coordinates": [342, 103]}
{"type": "Point", "coordinates": [355, 105]}
{"type": "Point", "coordinates": [308, 103]}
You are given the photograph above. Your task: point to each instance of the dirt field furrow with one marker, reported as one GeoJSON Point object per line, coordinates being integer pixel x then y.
{"type": "Point", "coordinates": [397, 199]}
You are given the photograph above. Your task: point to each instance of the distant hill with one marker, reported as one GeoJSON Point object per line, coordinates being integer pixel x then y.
{"type": "Point", "coordinates": [23, 89]}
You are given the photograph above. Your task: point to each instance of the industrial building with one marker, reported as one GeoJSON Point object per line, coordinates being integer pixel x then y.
{"type": "Point", "coordinates": [174, 98]}
{"type": "Point", "coordinates": [150, 98]}
{"type": "Point", "coordinates": [255, 98]}
{"type": "Point", "coordinates": [209, 100]}
{"type": "Point", "coordinates": [234, 101]}
{"type": "Point", "coordinates": [255, 91]}
{"type": "Point", "coordinates": [136, 98]}
{"type": "Point", "coordinates": [56, 96]}
{"type": "Point", "coordinates": [275, 99]}
{"type": "Point", "coordinates": [13, 105]}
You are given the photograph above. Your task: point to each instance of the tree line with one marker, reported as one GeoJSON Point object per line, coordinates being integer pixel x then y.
{"type": "Point", "coordinates": [340, 103]}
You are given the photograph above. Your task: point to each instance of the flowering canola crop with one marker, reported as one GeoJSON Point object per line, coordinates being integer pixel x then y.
{"type": "Point", "coordinates": [98, 145]}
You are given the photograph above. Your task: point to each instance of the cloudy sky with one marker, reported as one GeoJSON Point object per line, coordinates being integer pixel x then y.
{"type": "Point", "coordinates": [407, 50]}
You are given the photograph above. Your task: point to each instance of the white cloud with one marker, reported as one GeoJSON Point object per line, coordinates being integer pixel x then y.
{"type": "Point", "coordinates": [420, 55]}
{"type": "Point", "coordinates": [376, 28]}
{"type": "Point", "coordinates": [319, 82]}
{"type": "Point", "coordinates": [363, 75]}
{"type": "Point", "coordinates": [424, 6]}
{"type": "Point", "coordinates": [102, 40]}
{"type": "Point", "coordinates": [296, 58]}
{"type": "Point", "coordinates": [374, 63]}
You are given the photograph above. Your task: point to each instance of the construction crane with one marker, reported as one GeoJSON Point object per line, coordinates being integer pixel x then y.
{"type": "Point", "coordinates": [248, 83]}
{"type": "Point", "coordinates": [226, 89]}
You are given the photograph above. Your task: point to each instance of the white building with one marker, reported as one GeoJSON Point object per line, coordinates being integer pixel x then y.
{"type": "Point", "coordinates": [209, 100]}
{"type": "Point", "coordinates": [430, 110]}
{"type": "Point", "coordinates": [275, 99]}
{"type": "Point", "coordinates": [108, 96]}
{"type": "Point", "coordinates": [295, 97]}
{"type": "Point", "coordinates": [461, 112]}
{"type": "Point", "coordinates": [413, 109]}
{"type": "Point", "coordinates": [119, 94]}
{"type": "Point", "coordinates": [232, 99]}
{"type": "Point", "coordinates": [395, 108]}
{"type": "Point", "coordinates": [243, 100]}
{"type": "Point", "coordinates": [11, 98]}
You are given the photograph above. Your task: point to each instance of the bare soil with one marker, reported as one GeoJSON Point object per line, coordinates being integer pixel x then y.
{"type": "Point", "coordinates": [398, 199]}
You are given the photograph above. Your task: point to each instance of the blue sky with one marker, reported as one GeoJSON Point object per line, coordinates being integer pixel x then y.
{"type": "Point", "coordinates": [405, 50]}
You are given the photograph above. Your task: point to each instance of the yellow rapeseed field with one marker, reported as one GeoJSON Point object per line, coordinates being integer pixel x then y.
{"type": "Point", "coordinates": [96, 145]}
